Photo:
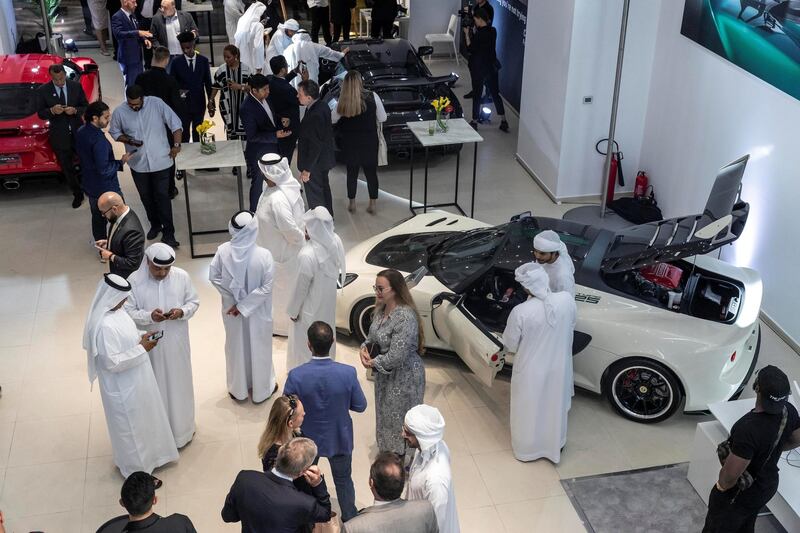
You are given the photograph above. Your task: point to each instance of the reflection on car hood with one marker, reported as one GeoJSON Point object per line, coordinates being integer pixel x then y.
{"type": "Point", "coordinates": [405, 252]}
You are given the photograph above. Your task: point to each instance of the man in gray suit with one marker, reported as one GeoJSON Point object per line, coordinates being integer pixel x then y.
{"type": "Point", "coordinates": [391, 513]}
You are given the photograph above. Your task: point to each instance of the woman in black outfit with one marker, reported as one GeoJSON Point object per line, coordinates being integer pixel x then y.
{"type": "Point", "coordinates": [357, 115]}
{"type": "Point", "coordinates": [483, 65]}
{"type": "Point", "coordinates": [283, 424]}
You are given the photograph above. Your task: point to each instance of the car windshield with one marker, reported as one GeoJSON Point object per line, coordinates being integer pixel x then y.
{"type": "Point", "coordinates": [17, 100]}
{"type": "Point", "coordinates": [461, 256]}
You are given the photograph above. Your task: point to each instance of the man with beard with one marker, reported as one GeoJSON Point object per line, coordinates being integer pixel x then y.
{"type": "Point", "coordinates": [124, 247]}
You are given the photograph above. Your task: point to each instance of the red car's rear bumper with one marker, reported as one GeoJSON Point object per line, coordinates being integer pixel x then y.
{"type": "Point", "coordinates": [24, 153]}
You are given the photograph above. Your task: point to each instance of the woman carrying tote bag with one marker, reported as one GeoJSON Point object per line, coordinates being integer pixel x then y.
{"type": "Point", "coordinates": [357, 115]}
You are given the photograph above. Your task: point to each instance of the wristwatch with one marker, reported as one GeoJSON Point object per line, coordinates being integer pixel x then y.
{"type": "Point", "coordinates": [176, 145]}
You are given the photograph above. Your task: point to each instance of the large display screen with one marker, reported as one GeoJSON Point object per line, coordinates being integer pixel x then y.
{"type": "Point", "coordinates": [510, 19]}
{"type": "Point", "coordinates": [760, 36]}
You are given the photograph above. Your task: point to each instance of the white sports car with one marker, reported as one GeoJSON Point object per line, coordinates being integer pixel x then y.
{"type": "Point", "coordinates": [658, 323]}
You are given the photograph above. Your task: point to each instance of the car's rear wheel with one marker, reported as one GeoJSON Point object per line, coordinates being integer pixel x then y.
{"type": "Point", "coordinates": [361, 318]}
{"type": "Point", "coordinates": [642, 390]}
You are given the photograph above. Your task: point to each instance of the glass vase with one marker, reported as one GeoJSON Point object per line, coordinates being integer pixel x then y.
{"type": "Point", "coordinates": [208, 143]}
{"type": "Point", "coordinates": [441, 121]}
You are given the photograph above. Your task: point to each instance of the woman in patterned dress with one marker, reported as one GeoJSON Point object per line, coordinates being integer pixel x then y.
{"type": "Point", "coordinates": [399, 372]}
{"type": "Point", "coordinates": [231, 81]}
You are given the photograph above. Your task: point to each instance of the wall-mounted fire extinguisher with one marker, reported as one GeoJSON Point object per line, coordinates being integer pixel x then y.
{"type": "Point", "coordinates": [640, 187]}
{"type": "Point", "coordinates": [614, 171]}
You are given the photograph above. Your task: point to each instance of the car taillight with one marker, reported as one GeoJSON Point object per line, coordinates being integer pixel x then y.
{"type": "Point", "coordinates": [733, 357]}
{"type": "Point", "coordinates": [495, 357]}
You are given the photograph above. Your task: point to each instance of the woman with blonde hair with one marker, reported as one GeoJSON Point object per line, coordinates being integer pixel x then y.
{"type": "Point", "coordinates": [283, 424]}
{"type": "Point", "coordinates": [357, 115]}
{"type": "Point", "coordinates": [396, 332]}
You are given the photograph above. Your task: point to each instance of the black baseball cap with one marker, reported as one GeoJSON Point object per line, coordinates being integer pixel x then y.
{"type": "Point", "coordinates": [773, 385]}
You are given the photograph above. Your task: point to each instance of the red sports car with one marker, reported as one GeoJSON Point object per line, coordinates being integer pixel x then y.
{"type": "Point", "coordinates": [24, 147]}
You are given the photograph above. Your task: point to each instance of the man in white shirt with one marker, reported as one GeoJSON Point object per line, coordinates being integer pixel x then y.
{"type": "Point", "coordinates": [550, 252]}
{"type": "Point", "coordinates": [167, 24]}
{"type": "Point", "coordinates": [242, 272]}
{"type": "Point", "coordinates": [163, 298]}
{"type": "Point", "coordinates": [430, 477]}
{"type": "Point", "coordinates": [141, 438]}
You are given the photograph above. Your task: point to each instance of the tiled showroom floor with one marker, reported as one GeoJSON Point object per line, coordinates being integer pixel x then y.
{"type": "Point", "coordinates": [56, 472]}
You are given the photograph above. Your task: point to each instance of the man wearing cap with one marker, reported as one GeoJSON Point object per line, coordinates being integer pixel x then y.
{"type": "Point", "coordinates": [281, 231]}
{"type": "Point", "coordinates": [430, 477]}
{"type": "Point", "coordinates": [163, 298]}
{"type": "Point", "coordinates": [138, 497]}
{"type": "Point", "coordinates": [193, 74]}
{"type": "Point", "coordinates": [539, 332]}
{"type": "Point", "coordinates": [282, 38]}
{"type": "Point", "coordinates": [756, 443]}
{"type": "Point", "coordinates": [137, 422]}
{"type": "Point", "coordinates": [242, 272]}
{"type": "Point", "coordinates": [320, 264]}
{"type": "Point", "coordinates": [550, 252]}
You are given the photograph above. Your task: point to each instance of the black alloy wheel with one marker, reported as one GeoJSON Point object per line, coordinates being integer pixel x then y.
{"type": "Point", "coordinates": [642, 390]}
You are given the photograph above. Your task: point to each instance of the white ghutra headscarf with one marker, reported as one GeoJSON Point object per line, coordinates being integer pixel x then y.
{"type": "Point", "coordinates": [277, 170]}
{"type": "Point", "coordinates": [549, 241]}
{"type": "Point", "coordinates": [111, 290]}
{"type": "Point", "coordinates": [327, 245]}
{"type": "Point", "coordinates": [159, 254]}
{"type": "Point", "coordinates": [533, 277]}
{"type": "Point", "coordinates": [243, 228]}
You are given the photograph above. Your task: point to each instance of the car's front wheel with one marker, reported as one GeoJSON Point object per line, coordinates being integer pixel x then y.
{"type": "Point", "coordinates": [361, 318]}
{"type": "Point", "coordinates": [642, 390]}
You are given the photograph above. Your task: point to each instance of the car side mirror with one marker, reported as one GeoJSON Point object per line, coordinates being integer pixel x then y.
{"type": "Point", "coordinates": [91, 67]}
{"type": "Point", "coordinates": [423, 51]}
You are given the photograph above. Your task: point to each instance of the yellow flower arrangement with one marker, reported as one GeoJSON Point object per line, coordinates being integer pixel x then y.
{"type": "Point", "coordinates": [440, 103]}
{"type": "Point", "coordinates": [205, 126]}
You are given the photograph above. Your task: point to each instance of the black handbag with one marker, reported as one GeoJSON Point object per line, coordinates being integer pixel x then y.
{"type": "Point", "coordinates": [746, 480]}
{"type": "Point", "coordinates": [637, 210]}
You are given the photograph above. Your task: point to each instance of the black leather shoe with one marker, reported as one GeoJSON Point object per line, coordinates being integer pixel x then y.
{"type": "Point", "coordinates": [173, 193]}
{"type": "Point", "coordinates": [504, 126]}
{"type": "Point", "coordinates": [77, 200]}
{"type": "Point", "coordinates": [170, 241]}
{"type": "Point", "coordinates": [469, 95]}
{"type": "Point", "coordinates": [153, 233]}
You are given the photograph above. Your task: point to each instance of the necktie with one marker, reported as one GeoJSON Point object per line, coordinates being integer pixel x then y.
{"type": "Point", "coordinates": [133, 21]}
{"type": "Point", "coordinates": [63, 95]}
{"type": "Point", "coordinates": [191, 65]}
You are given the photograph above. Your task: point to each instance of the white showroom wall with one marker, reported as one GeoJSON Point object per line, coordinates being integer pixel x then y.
{"type": "Point", "coordinates": [431, 16]}
{"type": "Point", "coordinates": [704, 112]}
{"type": "Point", "coordinates": [571, 52]}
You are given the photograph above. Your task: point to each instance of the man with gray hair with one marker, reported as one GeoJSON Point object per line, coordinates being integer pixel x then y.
{"type": "Point", "coordinates": [268, 502]}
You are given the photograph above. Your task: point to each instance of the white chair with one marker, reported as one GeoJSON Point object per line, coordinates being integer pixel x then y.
{"type": "Point", "coordinates": [449, 37]}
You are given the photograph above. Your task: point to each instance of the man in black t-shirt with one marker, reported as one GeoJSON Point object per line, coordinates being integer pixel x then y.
{"type": "Point", "coordinates": [753, 436]}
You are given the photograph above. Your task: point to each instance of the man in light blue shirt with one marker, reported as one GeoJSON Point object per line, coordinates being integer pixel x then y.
{"type": "Point", "coordinates": [140, 125]}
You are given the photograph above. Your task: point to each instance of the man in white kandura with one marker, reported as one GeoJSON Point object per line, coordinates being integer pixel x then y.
{"type": "Point", "coordinates": [550, 252]}
{"type": "Point", "coordinates": [141, 439]}
{"type": "Point", "coordinates": [242, 272]}
{"type": "Point", "coordinates": [539, 333]}
{"type": "Point", "coordinates": [430, 477]}
{"type": "Point", "coordinates": [233, 10]}
{"type": "Point", "coordinates": [163, 298]}
{"type": "Point", "coordinates": [280, 230]}
{"type": "Point", "coordinates": [249, 38]}
{"type": "Point", "coordinates": [281, 39]}
{"type": "Point", "coordinates": [320, 264]}
{"type": "Point", "coordinates": [304, 49]}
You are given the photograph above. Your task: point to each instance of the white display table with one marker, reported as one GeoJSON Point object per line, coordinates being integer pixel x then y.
{"type": "Point", "coordinates": [704, 465]}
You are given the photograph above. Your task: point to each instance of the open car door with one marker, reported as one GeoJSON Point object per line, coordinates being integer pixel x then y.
{"type": "Point", "coordinates": [476, 345]}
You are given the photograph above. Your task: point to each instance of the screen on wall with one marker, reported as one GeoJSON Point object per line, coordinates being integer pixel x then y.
{"type": "Point", "coordinates": [760, 36]}
{"type": "Point", "coordinates": [510, 19]}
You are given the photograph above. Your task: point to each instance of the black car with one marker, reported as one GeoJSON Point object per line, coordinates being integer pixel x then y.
{"type": "Point", "coordinates": [393, 69]}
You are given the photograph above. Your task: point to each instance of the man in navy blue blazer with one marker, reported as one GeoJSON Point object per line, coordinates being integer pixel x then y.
{"type": "Point", "coordinates": [129, 40]}
{"type": "Point", "coordinates": [329, 391]}
{"type": "Point", "coordinates": [262, 128]}
{"type": "Point", "coordinates": [193, 73]}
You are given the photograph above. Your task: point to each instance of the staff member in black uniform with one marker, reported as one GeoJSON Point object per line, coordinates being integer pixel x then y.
{"type": "Point", "coordinates": [483, 66]}
{"type": "Point", "coordinates": [383, 14]}
{"type": "Point", "coordinates": [283, 100]}
{"type": "Point", "coordinates": [756, 443]}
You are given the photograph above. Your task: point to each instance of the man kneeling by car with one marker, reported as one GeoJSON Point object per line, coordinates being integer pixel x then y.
{"type": "Point", "coordinates": [748, 478]}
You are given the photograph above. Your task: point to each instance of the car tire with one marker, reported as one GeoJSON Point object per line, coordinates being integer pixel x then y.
{"type": "Point", "coordinates": [642, 390]}
{"type": "Point", "coordinates": [361, 318]}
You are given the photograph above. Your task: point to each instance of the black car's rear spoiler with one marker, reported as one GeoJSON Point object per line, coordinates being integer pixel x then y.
{"type": "Point", "coordinates": [448, 80]}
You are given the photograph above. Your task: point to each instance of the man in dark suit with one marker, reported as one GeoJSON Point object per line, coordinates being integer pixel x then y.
{"type": "Point", "coordinates": [268, 502]}
{"type": "Point", "coordinates": [138, 496]}
{"type": "Point", "coordinates": [157, 82]}
{"type": "Point", "coordinates": [193, 74]}
{"type": "Point", "coordinates": [168, 23]}
{"type": "Point", "coordinates": [124, 247]}
{"type": "Point", "coordinates": [261, 128]}
{"type": "Point", "coordinates": [329, 391]}
{"type": "Point", "coordinates": [283, 100]}
{"type": "Point", "coordinates": [391, 513]}
{"type": "Point", "coordinates": [63, 103]}
{"type": "Point", "coordinates": [129, 38]}
{"type": "Point", "coordinates": [315, 156]}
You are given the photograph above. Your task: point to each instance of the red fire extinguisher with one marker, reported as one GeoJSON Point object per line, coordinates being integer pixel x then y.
{"type": "Point", "coordinates": [614, 171]}
{"type": "Point", "coordinates": [640, 188]}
